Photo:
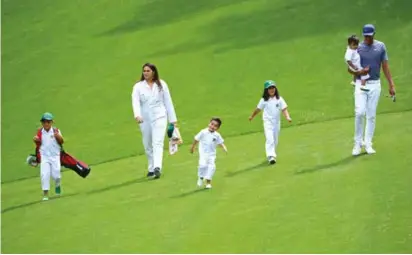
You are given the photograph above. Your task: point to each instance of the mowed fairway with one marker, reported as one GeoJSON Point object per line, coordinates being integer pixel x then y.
{"type": "Point", "coordinates": [80, 59]}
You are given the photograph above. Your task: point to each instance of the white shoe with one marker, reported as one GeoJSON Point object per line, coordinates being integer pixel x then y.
{"type": "Point", "coordinates": [370, 150]}
{"type": "Point", "coordinates": [200, 182]}
{"type": "Point", "coordinates": [208, 186]}
{"type": "Point", "coordinates": [45, 198]}
{"type": "Point", "coordinates": [356, 150]}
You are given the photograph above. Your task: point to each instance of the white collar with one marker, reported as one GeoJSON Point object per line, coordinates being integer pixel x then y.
{"type": "Point", "coordinates": [45, 131]}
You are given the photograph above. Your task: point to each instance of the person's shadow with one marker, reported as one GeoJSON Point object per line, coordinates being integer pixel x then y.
{"type": "Point", "coordinates": [120, 185]}
{"type": "Point", "coordinates": [15, 207]}
{"type": "Point", "coordinates": [247, 169]}
{"type": "Point", "coordinates": [192, 192]}
{"type": "Point", "coordinates": [340, 162]}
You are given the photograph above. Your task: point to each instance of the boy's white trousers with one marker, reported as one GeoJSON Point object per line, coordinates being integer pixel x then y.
{"type": "Point", "coordinates": [153, 135]}
{"type": "Point", "coordinates": [50, 167]}
{"type": "Point", "coordinates": [207, 165]}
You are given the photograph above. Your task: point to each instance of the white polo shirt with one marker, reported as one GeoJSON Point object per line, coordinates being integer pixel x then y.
{"type": "Point", "coordinates": [272, 108]}
{"type": "Point", "coordinates": [150, 103]}
{"type": "Point", "coordinates": [208, 141]}
{"type": "Point", "coordinates": [49, 146]}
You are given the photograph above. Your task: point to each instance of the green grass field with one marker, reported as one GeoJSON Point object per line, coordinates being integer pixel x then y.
{"type": "Point", "coordinates": [80, 59]}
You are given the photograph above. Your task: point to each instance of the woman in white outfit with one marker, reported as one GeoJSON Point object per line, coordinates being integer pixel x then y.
{"type": "Point", "coordinates": [153, 109]}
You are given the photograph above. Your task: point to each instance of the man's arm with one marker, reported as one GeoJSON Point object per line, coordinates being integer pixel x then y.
{"type": "Point", "coordinates": [385, 67]}
{"type": "Point", "coordinates": [387, 72]}
{"type": "Point", "coordinates": [359, 72]}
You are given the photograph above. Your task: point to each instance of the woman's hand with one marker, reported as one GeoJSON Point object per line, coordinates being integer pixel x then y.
{"type": "Point", "coordinates": [139, 119]}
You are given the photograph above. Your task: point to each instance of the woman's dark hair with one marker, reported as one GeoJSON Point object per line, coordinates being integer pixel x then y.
{"type": "Point", "coordinates": [266, 96]}
{"type": "Point", "coordinates": [156, 78]}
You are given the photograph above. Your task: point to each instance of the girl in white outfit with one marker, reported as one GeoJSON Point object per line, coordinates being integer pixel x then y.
{"type": "Point", "coordinates": [271, 104]}
{"type": "Point", "coordinates": [153, 108]}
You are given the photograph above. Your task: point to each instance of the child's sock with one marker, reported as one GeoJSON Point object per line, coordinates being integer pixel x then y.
{"type": "Point", "coordinates": [58, 182]}
{"type": "Point", "coordinates": [57, 187]}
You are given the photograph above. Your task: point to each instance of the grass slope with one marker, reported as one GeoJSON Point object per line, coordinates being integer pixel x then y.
{"type": "Point", "coordinates": [317, 199]}
{"type": "Point", "coordinates": [80, 60]}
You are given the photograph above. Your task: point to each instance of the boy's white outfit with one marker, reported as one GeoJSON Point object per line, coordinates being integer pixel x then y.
{"type": "Point", "coordinates": [271, 122]}
{"type": "Point", "coordinates": [154, 106]}
{"type": "Point", "coordinates": [353, 56]}
{"type": "Point", "coordinates": [50, 159]}
{"type": "Point", "coordinates": [208, 141]}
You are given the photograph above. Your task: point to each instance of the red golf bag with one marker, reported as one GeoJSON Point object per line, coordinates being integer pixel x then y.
{"type": "Point", "coordinates": [66, 160]}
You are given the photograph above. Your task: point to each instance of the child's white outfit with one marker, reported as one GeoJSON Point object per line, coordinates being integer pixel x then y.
{"type": "Point", "coordinates": [353, 56]}
{"type": "Point", "coordinates": [50, 159]}
{"type": "Point", "coordinates": [208, 141]}
{"type": "Point", "coordinates": [271, 122]}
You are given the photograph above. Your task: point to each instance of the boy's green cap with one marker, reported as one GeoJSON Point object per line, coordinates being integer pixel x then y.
{"type": "Point", "coordinates": [46, 116]}
{"type": "Point", "coordinates": [269, 83]}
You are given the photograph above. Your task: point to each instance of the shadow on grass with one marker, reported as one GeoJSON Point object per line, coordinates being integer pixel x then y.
{"type": "Point", "coordinates": [291, 20]}
{"type": "Point", "coordinates": [245, 170]}
{"type": "Point", "coordinates": [162, 12]}
{"type": "Point", "coordinates": [120, 185]}
{"type": "Point", "coordinates": [189, 193]}
{"type": "Point", "coordinates": [340, 162]}
{"type": "Point", "coordinates": [11, 208]}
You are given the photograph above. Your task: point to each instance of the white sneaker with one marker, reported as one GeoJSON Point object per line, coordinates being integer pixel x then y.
{"type": "Point", "coordinates": [208, 186]}
{"type": "Point", "coordinates": [45, 198]}
{"type": "Point", "coordinates": [356, 150]}
{"type": "Point", "coordinates": [199, 182]}
{"type": "Point", "coordinates": [370, 150]}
